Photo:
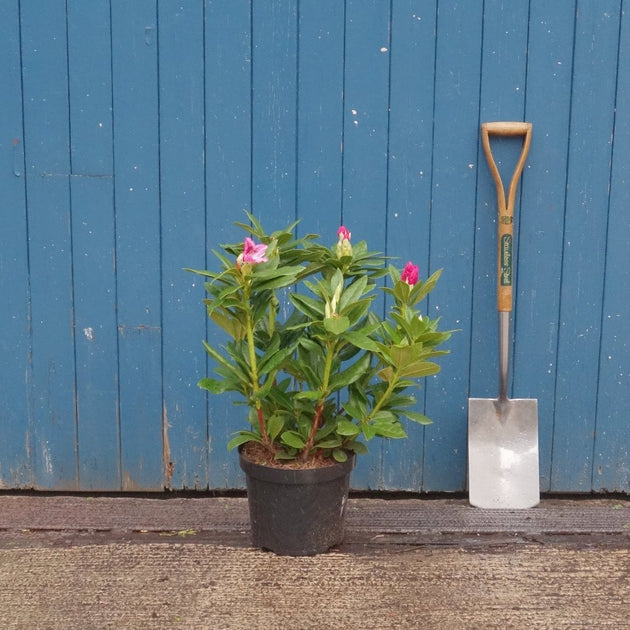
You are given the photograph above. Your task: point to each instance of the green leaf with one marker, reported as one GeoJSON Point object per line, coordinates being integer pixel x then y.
{"type": "Point", "coordinates": [230, 325]}
{"type": "Point", "coordinates": [419, 369]}
{"type": "Point", "coordinates": [336, 325]}
{"type": "Point", "coordinates": [355, 410]}
{"type": "Point", "coordinates": [212, 385]}
{"type": "Point", "coordinates": [325, 431]}
{"type": "Point", "coordinates": [329, 443]}
{"type": "Point", "coordinates": [360, 340]}
{"type": "Point", "coordinates": [357, 447]}
{"type": "Point", "coordinates": [272, 360]}
{"type": "Point", "coordinates": [278, 281]}
{"type": "Point", "coordinates": [422, 289]}
{"type": "Point", "coordinates": [293, 439]}
{"type": "Point", "coordinates": [347, 428]}
{"type": "Point", "coordinates": [386, 374]}
{"type": "Point", "coordinates": [353, 292]}
{"type": "Point", "coordinates": [357, 310]}
{"type": "Point", "coordinates": [417, 417]}
{"type": "Point", "coordinates": [339, 455]}
{"type": "Point", "coordinates": [275, 425]}
{"type": "Point", "coordinates": [401, 291]}
{"type": "Point", "coordinates": [368, 431]}
{"type": "Point", "coordinates": [311, 307]}
{"type": "Point", "coordinates": [290, 453]}
{"type": "Point", "coordinates": [336, 282]}
{"type": "Point", "coordinates": [308, 395]}
{"type": "Point", "coordinates": [242, 438]}
{"type": "Point", "coordinates": [217, 356]}
{"type": "Point", "coordinates": [389, 429]}
{"type": "Point", "coordinates": [404, 355]}
{"type": "Point", "coordinates": [352, 374]}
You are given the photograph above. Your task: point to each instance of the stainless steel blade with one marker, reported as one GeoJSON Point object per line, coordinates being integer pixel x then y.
{"type": "Point", "coordinates": [503, 453]}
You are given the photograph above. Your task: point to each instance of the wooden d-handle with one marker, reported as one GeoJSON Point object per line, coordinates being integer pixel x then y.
{"type": "Point", "coordinates": [506, 206]}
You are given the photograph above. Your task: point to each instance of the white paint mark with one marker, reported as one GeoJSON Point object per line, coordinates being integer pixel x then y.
{"type": "Point", "coordinates": [89, 333]}
{"type": "Point", "coordinates": [383, 49]}
{"type": "Point", "coordinates": [47, 459]}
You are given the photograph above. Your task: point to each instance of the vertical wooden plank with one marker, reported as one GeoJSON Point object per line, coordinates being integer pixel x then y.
{"type": "Point", "coordinates": [503, 74]}
{"type": "Point", "coordinates": [549, 72]}
{"type": "Point", "coordinates": [452, 229]}
{"type": "Point", "coordinates": [412, 79]}
{"type": "Point", "coordinates": [228, 187]}
{"type": "Point", "coordinates": [320, 117]}
{"type": "Point", "coordinates": [366, 116]}
{"type": "Point", "coordinates": [15, 465]}
{"type": "Point", "coordinates": [46, 122]}
{"type": "Point", "coordinates": [136, 171]}
{"type": "Point", "coordinates": [274, 83]}
{"type": "Point", "coordinates": [181, 63]}
{"type": "Point", "coordinates": [611, 463]}
{"type": "Point", "coordinates": [91, 186]}
{"type": "Point", "coordinates": [594, 72]}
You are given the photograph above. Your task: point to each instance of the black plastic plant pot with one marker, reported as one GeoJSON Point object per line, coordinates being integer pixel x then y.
{"type": "Point", "coordinates": [297, 512]}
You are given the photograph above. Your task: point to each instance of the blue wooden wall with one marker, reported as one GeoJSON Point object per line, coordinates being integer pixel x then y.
{"type": "Point", "coordinates": [132, 135]}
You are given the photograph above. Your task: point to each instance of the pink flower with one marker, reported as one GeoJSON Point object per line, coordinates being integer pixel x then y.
{"type": "Point", "coordinates": [252, 253]}
{"type": "Point", "coordinates": [343, 233]}
{"type": "Point", "coordinates": [410, 274]}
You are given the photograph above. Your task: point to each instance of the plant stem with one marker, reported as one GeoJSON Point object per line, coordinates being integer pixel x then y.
{"type": "Point", "coordinates": [317, 418]}
{"type": "Point", "coordinates": [385, 396]}
{"type": "Point", "coordinates": [249, 328]}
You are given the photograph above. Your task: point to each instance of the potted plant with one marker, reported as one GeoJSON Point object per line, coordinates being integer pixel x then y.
{"type": "Point", "coordinates": [319, 382]}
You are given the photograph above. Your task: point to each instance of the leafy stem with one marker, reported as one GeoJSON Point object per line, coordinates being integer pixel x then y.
{"type": "Point", "coordinates": [319, 408]}
{"type": "Point", "coordinates": [386, 394]}
{"type": "Point", "coordinates": [253, 365]}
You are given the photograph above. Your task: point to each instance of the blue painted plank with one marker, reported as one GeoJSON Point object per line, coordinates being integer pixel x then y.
{"type": "Point", "coordinates": [503, 74]}
{"type": "Point", "coordinates": [320, 117]}
{"type": "Point", "coordinates": [15, 464]}
{"type": "Point", "coordinates": [228, 64]}
{"type": "Point", "coordinates": [586, 210]}
{"type": "Point", "coordinates": [452, 228]}
{"type": "Point", "coordinates": [366, 115]}
{"type": "Point", "coordinates": [93, 234]}
{"type": "Point", "coordinates": [611, 461]}
{"type": "Point", "coordinates": [136, 169]}
{"type": "Point", "coordinates": [181, 62]}
{"type": "Point", "coordinates": [274, 122]}
{"type": "Point", "coordinates": [549, 74]}
{"type": "Point", "coordinates": [409, 186]}
{"type": "Point", "coordinates": [52, 387]}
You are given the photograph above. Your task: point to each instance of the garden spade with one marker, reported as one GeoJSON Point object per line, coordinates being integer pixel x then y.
{"type": "Point", "coordinates": [503, 432]}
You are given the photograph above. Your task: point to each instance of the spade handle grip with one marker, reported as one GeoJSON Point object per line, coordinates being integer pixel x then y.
{"type": "Point", "coordinates": [505, 205]}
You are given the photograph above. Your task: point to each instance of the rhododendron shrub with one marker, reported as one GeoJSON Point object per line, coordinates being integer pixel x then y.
{"type": "Point", "coordinates": [333, 374]}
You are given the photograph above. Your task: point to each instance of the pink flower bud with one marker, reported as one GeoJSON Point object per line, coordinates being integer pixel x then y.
{"type": "Point", "coordinates": [344, 248]}
{"type": "Point", "coordinates": [410, 274]}
{"type": "Point", "coordinates": [343, 233]}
